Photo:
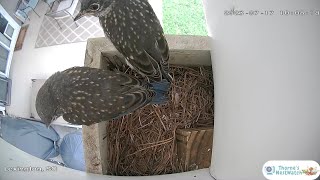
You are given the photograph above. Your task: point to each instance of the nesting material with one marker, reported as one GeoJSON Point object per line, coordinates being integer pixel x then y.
{"type": "Point", "coordinates": [143, 143]}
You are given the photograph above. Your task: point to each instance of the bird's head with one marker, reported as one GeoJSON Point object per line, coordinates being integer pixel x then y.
{"type": "Point", "coordinates": [94, 8]}
{"type": "Point", "coordinates": [46, 105]}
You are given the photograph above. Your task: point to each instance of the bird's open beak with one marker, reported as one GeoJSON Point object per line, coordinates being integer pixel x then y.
{"type": "Point", "coordinates": [79, 15]}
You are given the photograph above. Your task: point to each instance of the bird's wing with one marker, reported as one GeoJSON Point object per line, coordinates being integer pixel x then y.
{"type": "Point", "coordinates": [114, 63]}
{"type": "Point", "coordinates": [152, 61]}
{"type": "Point", "coordinates": [94, 95]}
{"type": "Point", "coordinates": [145, 64]}
{"type": "Point", "coordinates": [163, 47]}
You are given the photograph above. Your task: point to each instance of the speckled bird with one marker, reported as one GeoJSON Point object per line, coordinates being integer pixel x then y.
{"type": "Point", "coordinates": [135, 31]}
{"type": "Point", "coordinates": [85, 96]}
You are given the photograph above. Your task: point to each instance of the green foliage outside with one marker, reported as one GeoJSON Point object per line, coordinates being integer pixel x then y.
{"type": "Point", "coordinates": [184, 17]}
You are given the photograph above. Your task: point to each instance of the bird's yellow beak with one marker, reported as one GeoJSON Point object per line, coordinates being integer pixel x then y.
{"type": "Point", "coordinates": [79, 15]}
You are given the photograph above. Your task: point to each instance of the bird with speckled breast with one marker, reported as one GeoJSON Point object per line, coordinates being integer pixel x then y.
{"type": "Point", "coordinates": [85, 96]}
{"type": "Point", "coordinates": [135, 31]}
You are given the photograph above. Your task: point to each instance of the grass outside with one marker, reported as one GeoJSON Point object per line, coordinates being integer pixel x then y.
{"type": "Point", "coordinates": [184, 17]}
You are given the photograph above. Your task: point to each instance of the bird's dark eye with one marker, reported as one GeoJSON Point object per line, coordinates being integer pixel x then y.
{"type": "Point", "coordinates": [94, 6]}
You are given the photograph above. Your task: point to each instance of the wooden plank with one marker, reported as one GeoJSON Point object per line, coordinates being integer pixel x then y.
{"type": "Point", "coordinates": [22, 35]}
{"type": "Point", "coordinates": [95, 147]}
{"type": "Point", "coordinates": [194, 147]}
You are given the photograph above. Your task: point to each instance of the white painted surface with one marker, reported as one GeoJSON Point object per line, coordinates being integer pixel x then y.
{"type": "Point", "coordinates": [13, 157]}
{"type": "Point", "coordinates": [35, 87]}
{"type": "Point", "coordinates": [30, 63]}
{"type": "Point", "coordinates": [267, 84]}
{"type": "Point", "coordinates": [157, 8]}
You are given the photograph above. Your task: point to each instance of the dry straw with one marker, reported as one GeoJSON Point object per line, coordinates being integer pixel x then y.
{"type": "Point", "coordinates": [143, 143]}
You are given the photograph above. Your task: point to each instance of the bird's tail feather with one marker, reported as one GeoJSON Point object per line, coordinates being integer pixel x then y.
{"type": "Point", "coordinates": [161, 88]}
